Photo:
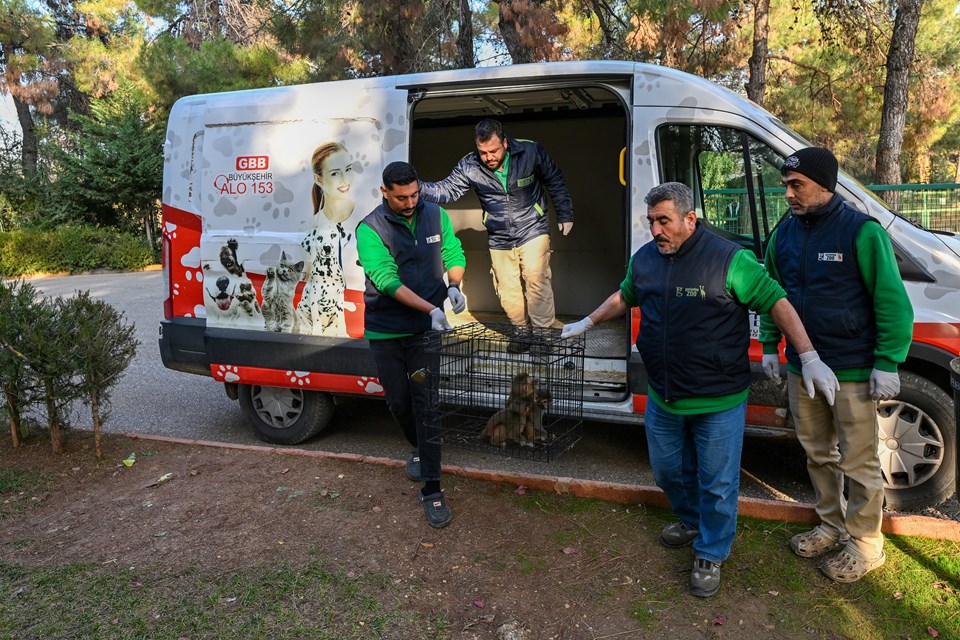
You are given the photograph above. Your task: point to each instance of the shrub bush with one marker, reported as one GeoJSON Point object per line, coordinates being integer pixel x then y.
{"type": "Point", "coordinates": [70, 249]}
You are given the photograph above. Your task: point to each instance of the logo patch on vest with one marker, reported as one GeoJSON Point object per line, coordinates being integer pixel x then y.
{"type": "Point", "coordinates": [830, 257]}
{"type": "Point", "coordinates": [691, 292]}
{"type": "Point", "coordinates": [522, 182]}
{"type": "Point", "coordinates": [432, 239]}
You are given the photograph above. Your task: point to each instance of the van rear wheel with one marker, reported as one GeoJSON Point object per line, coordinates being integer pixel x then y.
{"type": "Point", "coordinates": [285, 416]}
{"type": "Point", "coordinates": [917, 444]}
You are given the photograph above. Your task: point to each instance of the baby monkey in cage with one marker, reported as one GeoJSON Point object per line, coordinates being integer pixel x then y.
{"type": "Point", "coordinates": [521, 419]}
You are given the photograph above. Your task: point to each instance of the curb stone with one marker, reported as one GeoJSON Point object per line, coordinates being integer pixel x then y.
{"type": "Point", "coordinates": [893, 523]}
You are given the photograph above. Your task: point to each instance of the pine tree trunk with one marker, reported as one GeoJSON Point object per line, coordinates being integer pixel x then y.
{"type": "Point", "coordinates": [511, 27]}
{"type": "Point", "coordinates": [28, 154]}
{"type": "Point", "coordinates": [13, 415]}
{"type": "Point", "coordinates": [53, 417]}
{"type": "Point", "coordinates": [894, 118]}
{"type": "Point", "coordinates": [148, 229]}
{"type": "Point", "coordinates": [95, 415]}
{"type": "Point", "coordinates": [757, 85]}
{"type": "Point", "coordinates": [465, 54]}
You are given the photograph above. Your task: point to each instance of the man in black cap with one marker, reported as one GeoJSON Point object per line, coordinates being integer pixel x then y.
{"type": "Point", "coordinates": [840, 274]}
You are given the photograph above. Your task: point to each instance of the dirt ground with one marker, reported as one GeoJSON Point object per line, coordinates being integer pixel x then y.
{"type": "Point", "coordinates": [557, 567]}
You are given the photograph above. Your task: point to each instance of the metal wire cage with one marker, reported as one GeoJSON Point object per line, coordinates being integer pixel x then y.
{"type": "Point", "coordinates": [475, 367]}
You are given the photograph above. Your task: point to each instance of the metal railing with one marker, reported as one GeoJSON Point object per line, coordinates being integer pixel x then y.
{"type": "Point", "coordinates": [933, 206]}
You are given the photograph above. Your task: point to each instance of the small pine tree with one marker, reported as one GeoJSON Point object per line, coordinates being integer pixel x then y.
{"type": "Point", "coordinates": [20, 309]}
{"type": "Point", "coordinates": [49, 347]}
{"type": "Point", "coordinates": [105, 347]}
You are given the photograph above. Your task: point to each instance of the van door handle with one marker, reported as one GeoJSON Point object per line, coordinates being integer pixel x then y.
{"type": "Point", "coordinates": [623, 153]}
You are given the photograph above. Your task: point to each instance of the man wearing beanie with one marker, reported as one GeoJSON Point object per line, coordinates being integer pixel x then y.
{"type": "Point", "coordinates": [838, 269]}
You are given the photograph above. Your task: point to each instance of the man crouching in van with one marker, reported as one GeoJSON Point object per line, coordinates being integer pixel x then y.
{"type": "Point", "coordinates": [405, 246]}
{"type": "Point", "coordinates": [694, 290]}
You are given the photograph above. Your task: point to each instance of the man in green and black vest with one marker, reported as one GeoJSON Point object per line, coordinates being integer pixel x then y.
{"type": "Point", "coordinates": [840, 273]}
{"type": "Point", "coordinates": [406, 246]}
{"type": "Point", "coordinates": [694, 290]}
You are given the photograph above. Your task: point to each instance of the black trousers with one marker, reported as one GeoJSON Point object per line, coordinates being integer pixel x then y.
{"type": "Point", "coordinates": [397, 359]}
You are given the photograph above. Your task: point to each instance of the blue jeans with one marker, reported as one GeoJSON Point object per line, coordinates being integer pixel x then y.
{"type": "Point", "coordinates": [696, 461]}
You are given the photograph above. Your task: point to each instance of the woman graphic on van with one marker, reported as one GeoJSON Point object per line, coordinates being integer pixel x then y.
{"type": "Point", "coordinates": [320, 311]}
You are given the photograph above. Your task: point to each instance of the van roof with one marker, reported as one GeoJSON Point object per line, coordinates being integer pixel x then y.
{"type": "Point", "coordinates": [653, 85]}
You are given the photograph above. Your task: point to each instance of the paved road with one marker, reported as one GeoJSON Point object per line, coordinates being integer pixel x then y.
{"type": "Point", "coordinates": [151, 399]}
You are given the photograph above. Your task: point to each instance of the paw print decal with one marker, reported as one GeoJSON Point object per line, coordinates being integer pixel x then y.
{"type": "Point", "coordinates": [227, 373]}
{"type": "Point", "coordinates": [252, 225]}
{"type": "Point", "coordinates": [369, 385]}
{"type": "Point", "coordinates": [299, 377]}
{"type": "Point", "coordinates": [170, 229]}
{"type": "Point", "coordinates": [358, 161]}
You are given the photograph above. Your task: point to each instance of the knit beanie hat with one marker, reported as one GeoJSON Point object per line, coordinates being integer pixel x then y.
{"type": "Point", "coordinates": [816, 163]}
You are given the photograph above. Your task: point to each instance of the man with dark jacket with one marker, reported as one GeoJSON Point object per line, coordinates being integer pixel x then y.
{"type": "Point", "coordinates": [406, 246]}
{"type": "Point", "coordinates": [511, 178]}
{"type": "Point", "coordinates": [840, 273]}
{"type": "Point", "coordinates": [694, 290]}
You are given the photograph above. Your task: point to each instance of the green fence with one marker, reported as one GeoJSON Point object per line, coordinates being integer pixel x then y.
{"type": "Point", "coordinates": [933, 206]}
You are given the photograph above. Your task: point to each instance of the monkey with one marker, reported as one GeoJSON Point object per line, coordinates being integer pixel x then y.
{"type": "Point", "coordinates": [509, 423]}
{"type": "Point", "coordinates": [533, 430]}
{"type": "Point", "coordinates": [522, 386]}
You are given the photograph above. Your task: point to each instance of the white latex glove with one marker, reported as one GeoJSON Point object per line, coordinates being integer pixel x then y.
{"type": "Point", "coordinates": [438, 320]}
{"type": "Point", "coordinates": [884, 385]}
{"type": "Point", "coordinates": [457, 301]}
{"type": "Point", "coordinates": [771, 365]}
{"type": "Point", "coordinates": [565, 227]}
{"type": "Point", "coordinates": [818, 376]}
{"type": "Point", "coordinates": [576, 328]}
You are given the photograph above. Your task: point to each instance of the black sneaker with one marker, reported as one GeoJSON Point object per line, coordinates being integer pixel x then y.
{"type": "Point", "coordinates": [540, 349]}
{"type": "Point", "coordinates": [677, 536]}
{"type": "Point", "coordinates": [518, 345]}
{"type": "Point", "coordinates": [705, 578]}
{"type": "Point", "coordinates": [438, 513]}
{"type": "Point", "coordinates": [413, 466]}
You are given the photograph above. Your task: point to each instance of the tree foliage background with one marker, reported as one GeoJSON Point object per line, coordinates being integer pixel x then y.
{"type": "Point", "coordinates": [93, 81]}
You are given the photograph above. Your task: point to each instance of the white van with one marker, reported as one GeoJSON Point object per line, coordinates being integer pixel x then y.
{"type": "Point", "coordinates": [263, 289]}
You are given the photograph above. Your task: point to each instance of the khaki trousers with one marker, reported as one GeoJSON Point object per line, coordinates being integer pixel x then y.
{"type": "Point", "coordinates": [522, 280]}
{"type": "Point", "coordinates": [842, 441]}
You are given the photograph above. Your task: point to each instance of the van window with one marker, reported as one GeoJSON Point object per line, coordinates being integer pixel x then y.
{"type": "Point", "coordinates": [735, 180]}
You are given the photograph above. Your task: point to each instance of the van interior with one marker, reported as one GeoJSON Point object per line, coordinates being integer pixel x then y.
{"type": "Point", "coordinates": [583, 127]}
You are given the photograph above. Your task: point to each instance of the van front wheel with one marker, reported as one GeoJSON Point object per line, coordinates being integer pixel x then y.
{"type": "Point", "coordinates": [285, 416]}
{"type": "Point", "coordinates": [917, 444]}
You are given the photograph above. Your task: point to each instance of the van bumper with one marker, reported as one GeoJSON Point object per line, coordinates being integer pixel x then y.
{"type": "Point", "coordinates": [187, 344]}
{"type": "Point", "coordinates": [181, 345]}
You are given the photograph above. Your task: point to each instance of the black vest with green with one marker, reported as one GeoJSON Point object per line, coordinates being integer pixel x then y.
{"type": "Point", "coordinates": [419, 267]}
{"type": "Point", "coordinates": [694, 335]}
{"type": "Point", "coordinates": [816, 258]}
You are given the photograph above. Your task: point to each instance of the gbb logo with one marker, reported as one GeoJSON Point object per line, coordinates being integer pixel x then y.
{"type": "Point", "coordinates": [253, 163]}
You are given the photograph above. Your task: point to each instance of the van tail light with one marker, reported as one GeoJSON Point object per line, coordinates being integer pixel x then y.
{"type": "Point", "coordinates": [167, 287]}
